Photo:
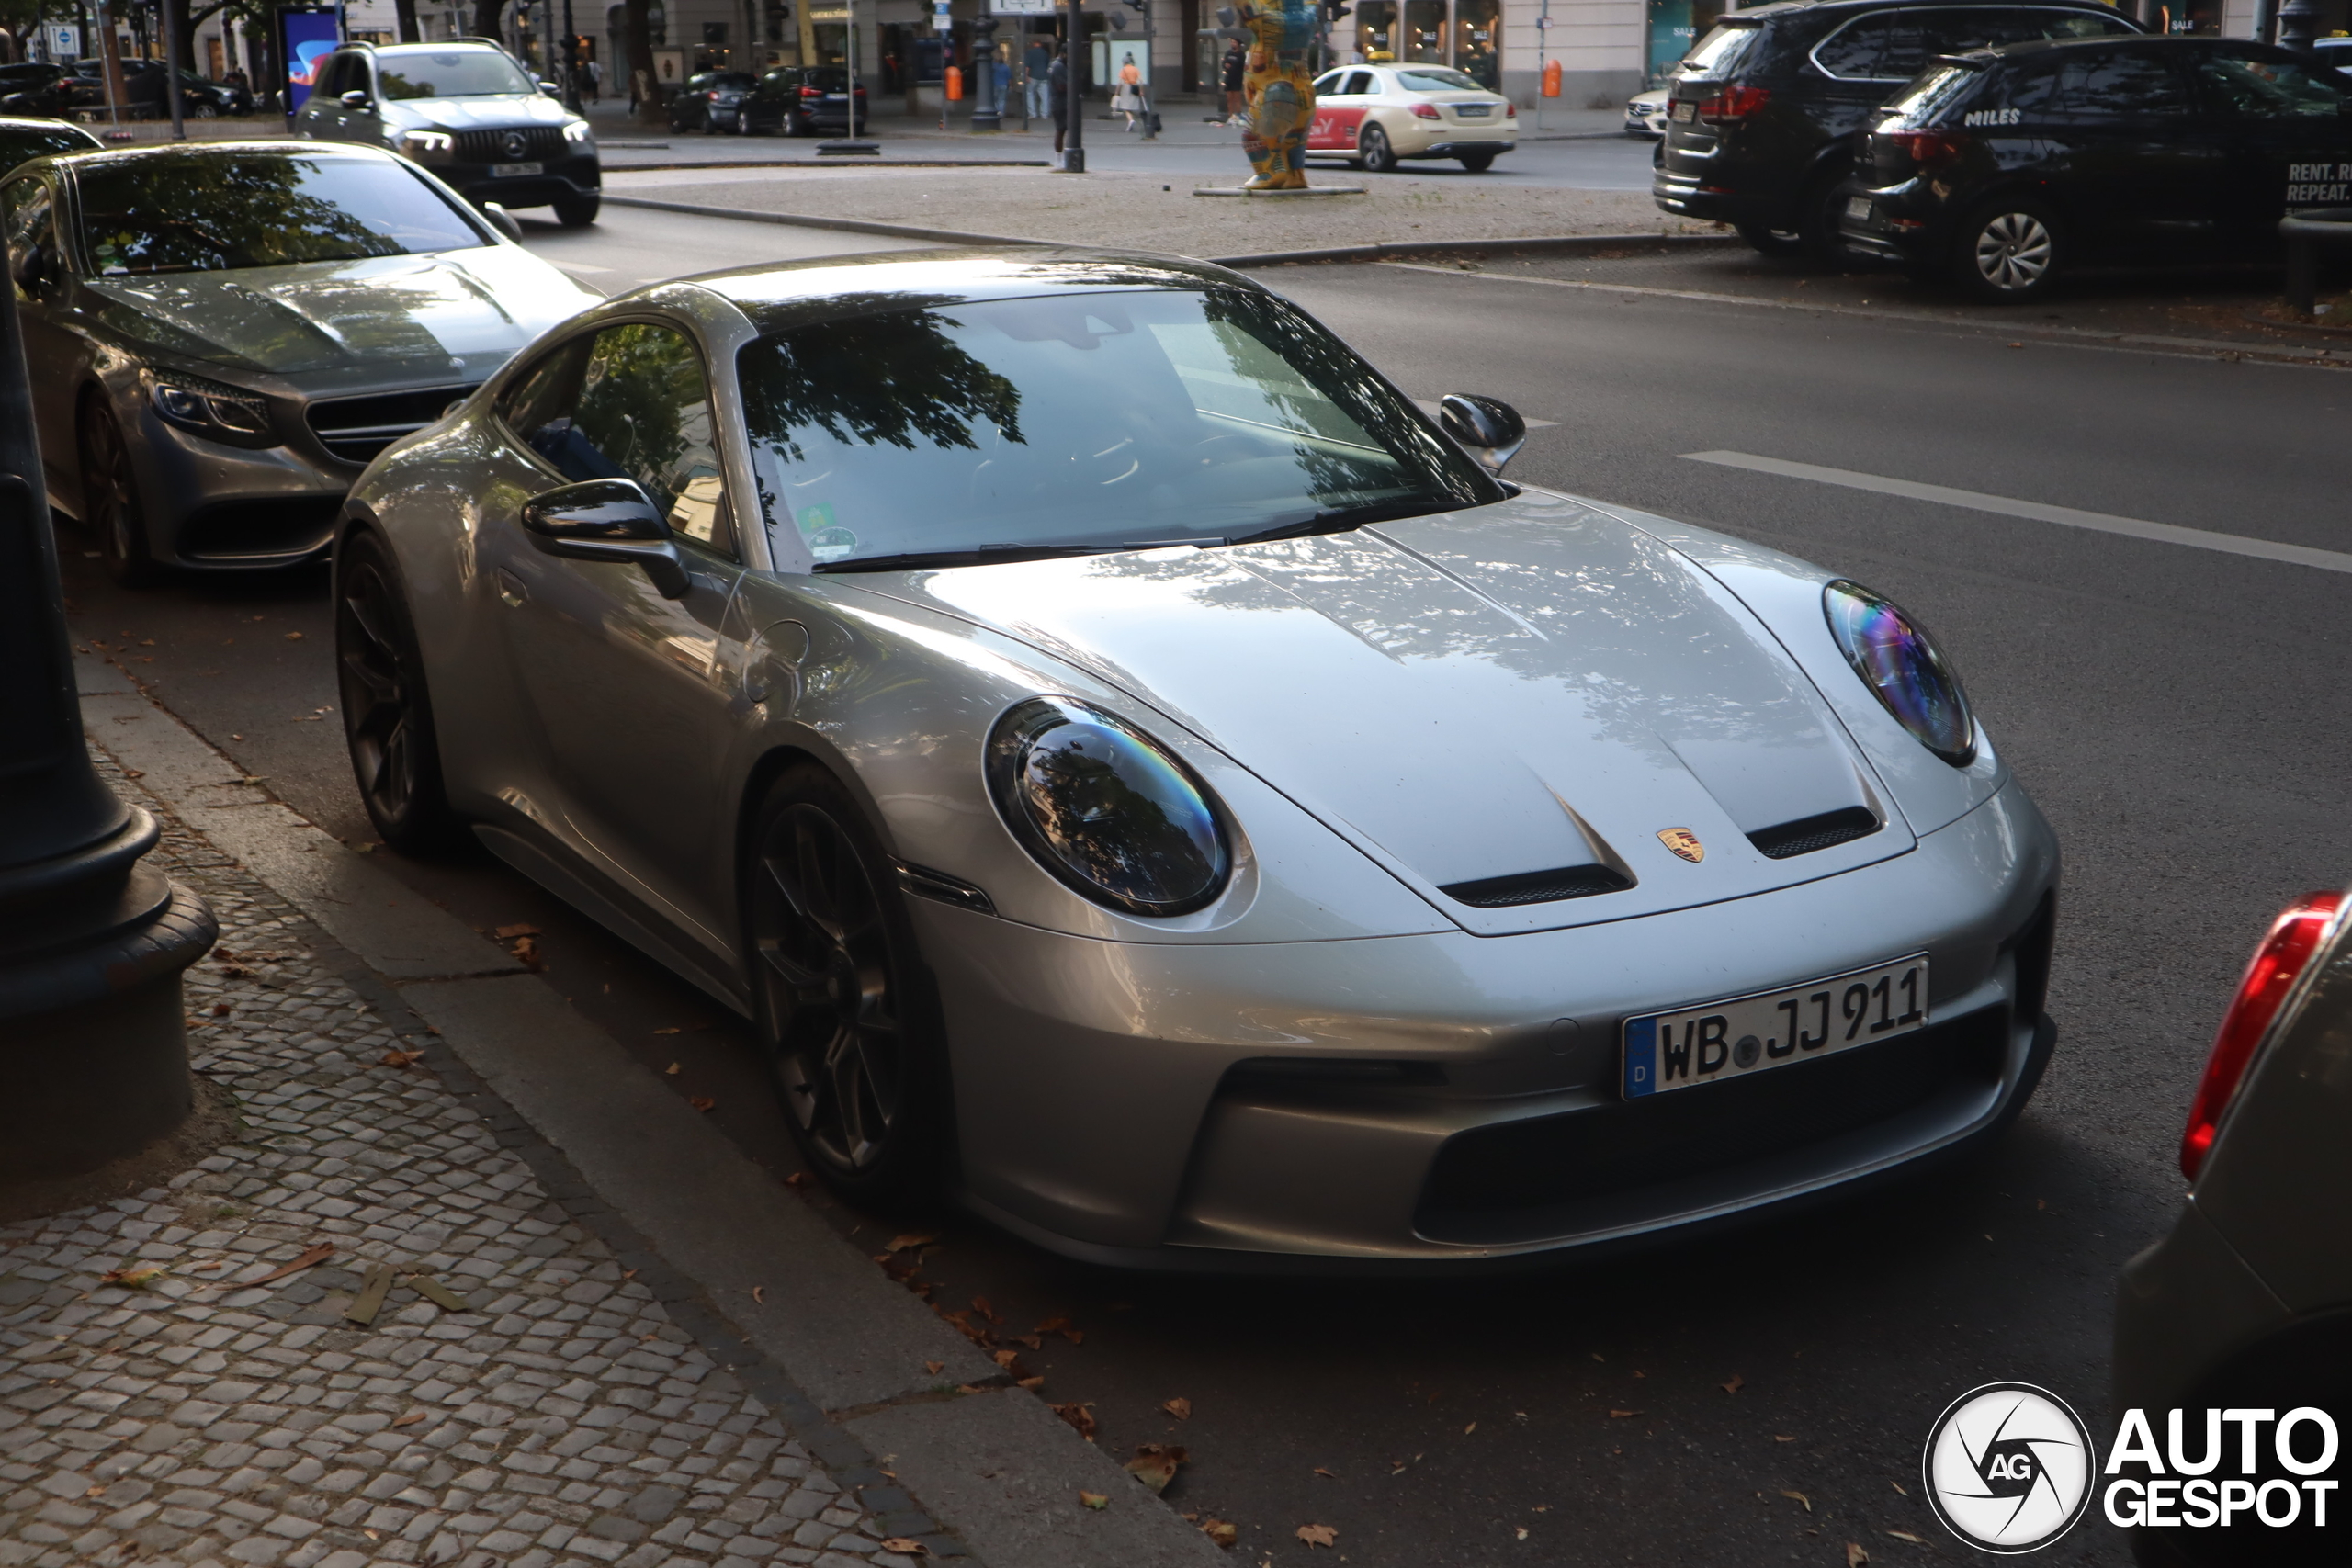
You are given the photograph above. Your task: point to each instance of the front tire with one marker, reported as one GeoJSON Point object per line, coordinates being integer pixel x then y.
{"type": "Point", "coordinates": [2007, 252]}
{"type": "Point", "coordinates": [1769, 241]}
{"type": "Point", "coordinates": [387, 715]}
{"type": "Point", "coordinates": [1375, 152]}
{"type": "Point", "coordinates": [1478, 162]}
{"type": "Point", "coordinates": [111, 506]}
{"type": "Point", "coordinates": [578, 211]}
{"type": "Point", "coordinates": [842, 1001]}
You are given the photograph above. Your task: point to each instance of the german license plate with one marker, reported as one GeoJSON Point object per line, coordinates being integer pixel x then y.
{"type": "Point", "coordinates": [1474, 111]}
{"type": "Point", "coordinates": [505, 170]}
{"type": "Point", "coordinates": [1858, 207]}
{"type": "Point", "coordinates": [1740, 1036]}
{"type": "Point", "coordinates": [1683, 112]}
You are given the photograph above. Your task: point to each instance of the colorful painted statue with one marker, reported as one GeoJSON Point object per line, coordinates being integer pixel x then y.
{"type": "Point", "coordinates": [1279, 34]}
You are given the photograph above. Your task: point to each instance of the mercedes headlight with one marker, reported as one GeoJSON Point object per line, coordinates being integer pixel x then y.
{"type": "Point", "coordinates": [210, 408]}
{"type": "Point", "coordinates": [1897, 661]}
{"type": "Point", "coordinates": [576, 131]}
{"type": "Point", "coordinates": [1107, 809]}
{"type": "Point", "coordinates": [427, 144]}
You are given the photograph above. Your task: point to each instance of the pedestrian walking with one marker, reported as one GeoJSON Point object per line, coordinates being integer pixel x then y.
{"type": "Point", "coordinates": [596, 78]}
{"type": "Point", "coordinates": [1230, 77]}
{"type": "Point", "coordinates": [1038, 64]}
{"type": "Point", "coordinates": [1129, 101]}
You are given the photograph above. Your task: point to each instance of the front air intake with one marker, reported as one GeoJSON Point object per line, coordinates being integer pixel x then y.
{"type": "Point", "coordinates": [1806, 834]}
{"type": "Point", "coordinates": [1538, 886]}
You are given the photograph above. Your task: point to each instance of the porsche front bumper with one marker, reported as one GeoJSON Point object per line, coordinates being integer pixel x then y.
{"type": "Point", "coordinates": [1419, 1100]}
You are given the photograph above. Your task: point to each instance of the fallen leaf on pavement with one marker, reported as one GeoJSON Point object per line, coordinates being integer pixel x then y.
{"type": "Point", "coordinates": [1320, 1471]}
{"type": "Point", "coordinates": [136, 1278]}
{"type": "Point", "coordinates": [1470, 1428]}
{"type": "Point", "coordinates": [1522, 1532]}
{"type": "Point", "coordinates": [527, 952]}
{"type": "Point", "coordinates": [1080, 1414]}
{"type": "Point", "coordinates": [980, 1305]}
{"type": "Point", "coordinates": [1179, 1407]}
{"type": "Point", "coordinates": [1736, 1384]}
{"type": "Point", "coordinates": [1906, 1535]}
{"type": "Point", "coordinates": [934, 1368]}
{"type": "Point", "coordinates": [1316, 1535]}
{"type": "Point", "coordinates": [672, 1030]}
{"type": "Point", "coordinates": [1096, 1500]}
{"type": "Point", "coordinates": [410, 1419]}
{"type": "Point", "coordinates": [674, 1069]}
{"type": "Point", "coordinates": [759, 1294]}
{"type": "Point", "coordinates": [318, 1254]}
{"type": "Point", "coordinates": [1784, 1437]}
{"type": "Point", "coordinates": [508, 933]}
{"type": "Point", "coordinates": [1222, 1531]}
{"type": "Point", "coordinates": [1800, 1498]}
{"type": "Point", "coordinates": [1621, 1415]}
{"type": "Point", "coordinates": [401, 1058]}
{"type": "Point", "coordinates": [1061, 1326]}
{"type": "Point", "coordinates": [1900, 1487]}
{"type": "Point", "coordinates": [1855, 1555]}
{"type": "Point", "coordinates": [903, 1543]}
{"type": "Point", "coordinates": [798, 1179]}
{"type": "Point", "coordinates": [912, 1239]}
{"type": "Point", "coordinates": [702, 1102]}
{"type": "Point", "coordinates": [293, 636]}
{"type": "Point", "coordinates": [1156, 1464]}
{"type": "Point", "coordinates": [1032, 1384]}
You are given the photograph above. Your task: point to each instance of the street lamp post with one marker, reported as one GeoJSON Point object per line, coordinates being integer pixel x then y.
{"type": "Point", "coordinates": [93, 1045]}
{"type": "Point", "coordinates": [1074, 94]}
{"type": "Point", "coordinates": [988, 114]}
{"type": "Point", "coordinates": [2299, 23]}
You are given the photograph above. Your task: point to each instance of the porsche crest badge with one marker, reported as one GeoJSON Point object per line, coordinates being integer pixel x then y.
{"type": "Point", "coordinates": [1683, 843]}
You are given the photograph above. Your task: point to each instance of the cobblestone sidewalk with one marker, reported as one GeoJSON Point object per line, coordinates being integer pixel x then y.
{"type": "Point", "coordinates": [203, 1415]}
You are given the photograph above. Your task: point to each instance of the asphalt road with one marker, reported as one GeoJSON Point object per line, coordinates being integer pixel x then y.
{"type": "Point", "coordinates": [2172, 708]}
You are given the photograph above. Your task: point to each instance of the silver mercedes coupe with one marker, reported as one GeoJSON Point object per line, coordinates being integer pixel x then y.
{"type": "Point", "coordinates": [1148, 780]}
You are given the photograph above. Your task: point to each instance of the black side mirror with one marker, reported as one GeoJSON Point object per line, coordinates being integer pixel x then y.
{"type": "Point", "coordinates": [355, 100]}
{"type": "Point", "coordinates": [33, 267]}
{"type": "Point", "coordinates": [606, 519]}
{"type": "Point", "coordinates": [1489, 427]}
{"type": "Point", "coordinates": [503, 220]}
{"type": "Point", "coordinates": [550, 89]}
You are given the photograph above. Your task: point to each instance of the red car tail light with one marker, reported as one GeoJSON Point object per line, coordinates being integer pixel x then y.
{"type": "Point", "coordinates": [812, 92]}
{"type": "Point", "coordinates": [1928, 146]}
{"type": "Point", "coordinates": [2278, 964]}
{"type": "Point", "coordinates": [1511, 111]}
{"type": "Point", "coordinates": [1734, 103]}
{"type": "Point", "coordinates": [1424, 111]}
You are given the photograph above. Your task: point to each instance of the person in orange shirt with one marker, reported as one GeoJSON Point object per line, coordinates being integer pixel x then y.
{"type": "Point", "coordinates": [1128, 100]}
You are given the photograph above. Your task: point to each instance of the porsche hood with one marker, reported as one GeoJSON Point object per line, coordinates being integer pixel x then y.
{"type": "Point", "coordinates": [1535, 715]}
{"type": "Point", "coordinates": [450, 315]}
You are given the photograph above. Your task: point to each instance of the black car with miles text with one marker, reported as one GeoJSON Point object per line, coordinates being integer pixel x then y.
{"type": "Point", "coordinates": [1762, 110]}
{"type": "Point", "coordinates": [2000, 169]}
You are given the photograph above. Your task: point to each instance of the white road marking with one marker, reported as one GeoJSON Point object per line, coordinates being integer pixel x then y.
{"type": "Point", "coordinates": [1943, 495]}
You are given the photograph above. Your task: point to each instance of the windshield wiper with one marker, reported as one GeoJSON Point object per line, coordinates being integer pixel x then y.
{"type": "Point", "coordinates": [1340, 520]}
{"type": "Point", "coordinates": [985, 555]}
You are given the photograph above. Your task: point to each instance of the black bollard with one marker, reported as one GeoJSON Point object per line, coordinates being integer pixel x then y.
{"type": "Point", "coordinates": [93, 1048]}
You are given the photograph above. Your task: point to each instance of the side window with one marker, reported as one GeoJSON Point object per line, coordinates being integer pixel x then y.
{"type": "Point", "coordinates": [2119, 85]}
{"type": "Point", "coordinates": [2252, 88]}
{"type": "Point", "coordinates": [1852, 53]}
{"type": "Point", "coordinates": [538, 404]}
{"type": "Point", "coordinates": [1362, 82]}
{"type": "Point", "coordinates": [1328, 85]}
{"type": "Point", "coordinates": [2031, 89]}
{"type": "Point", "coordinates": [644, 413]}
{"type": "Point", "coordinates": [26, 203]}
{"type": "Point", "coordinates": [335, 78]}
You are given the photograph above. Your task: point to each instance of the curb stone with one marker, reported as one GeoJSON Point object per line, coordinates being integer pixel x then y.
{"type": "Point", "coordinates": [638, 1169]}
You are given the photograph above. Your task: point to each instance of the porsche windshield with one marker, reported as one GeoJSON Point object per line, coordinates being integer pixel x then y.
{"type": "Point", "coordinates": [1076, 421]}
{"type": "Point", "coordinates": [212, 212]}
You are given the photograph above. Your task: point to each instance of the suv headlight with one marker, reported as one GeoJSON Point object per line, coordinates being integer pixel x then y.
{"type": "Point", "coordinates": [1897, 661]}
{"type": "Point", "coordinates": [577, 130]}
{"type": "Point", "coordinates": [427, 144]}
{"type": "Point", "coordinates": [210, 408]}
{"type": "Point", "coordinates": [1106, 809]}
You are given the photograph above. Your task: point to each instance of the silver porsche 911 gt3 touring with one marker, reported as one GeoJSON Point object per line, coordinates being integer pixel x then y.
{"type": "Point", "coordinates": [1146, 778]}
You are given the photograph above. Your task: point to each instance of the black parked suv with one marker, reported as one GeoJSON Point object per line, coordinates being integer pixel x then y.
{"type": "Point", "coordinates": [1762, 110]}
{"type": "Point", "coordinates": [465, 110]}
{"type": "Point", "coordinates": [2002, 168]}
{"type": "Point", "coordinates": [803, 100]}
{"type": "Point", "coordinates": [712, 101]}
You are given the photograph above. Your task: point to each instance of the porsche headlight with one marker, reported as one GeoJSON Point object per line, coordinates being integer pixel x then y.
{"type": "Point", "coordinates": [1107, 809]}
{"type": "Point", "coordinates": [1895, 660]}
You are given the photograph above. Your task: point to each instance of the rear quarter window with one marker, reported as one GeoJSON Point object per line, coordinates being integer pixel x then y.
{"type": "Point", "coordinates": [1722, 52]}
{"type": "Point", "coordinates": [1926, 100]}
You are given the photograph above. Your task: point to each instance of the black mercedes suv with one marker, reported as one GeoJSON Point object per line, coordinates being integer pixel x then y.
{"type": "Point", "coordinates": [1763, 107]}
{"type": "Point", "coordinates": [465, 110]}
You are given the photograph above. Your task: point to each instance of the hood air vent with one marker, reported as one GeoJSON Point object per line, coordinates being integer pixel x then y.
{"type": "Point", "coordinates": [1806, 834]}
{"type": "Point", "coordinates": [1538, 886]}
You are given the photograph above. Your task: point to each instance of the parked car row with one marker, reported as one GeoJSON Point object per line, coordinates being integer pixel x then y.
{"type": "Point", "coordinates": [33, 88]}
{"type": "Point", "coordinates": [1996, 145]}
{"type": "Point", "coordinates": [790, 100]}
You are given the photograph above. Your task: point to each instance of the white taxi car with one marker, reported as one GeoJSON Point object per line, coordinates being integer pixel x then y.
{"type": "Point", "coordinates": [1375, 116]}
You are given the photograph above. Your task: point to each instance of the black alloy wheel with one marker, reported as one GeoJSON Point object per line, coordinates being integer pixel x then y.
{"type": "Point", "coordinates": [578, 211]}
{"type": "Point", "coordinates": [111, 503]}
{"type": "Point", "coordinates": [841, 1002]}
{"type": "Point", "coordinates": [1374, 152]}
{"type": "Point", "coordinates": [1478, 162]}
{"type": "Point", "coordinates": [1771, 241]}
{"type": "Point", "coordinates": [2007, 250]}
{"type": "Point", "coordinates": [387, 719]}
